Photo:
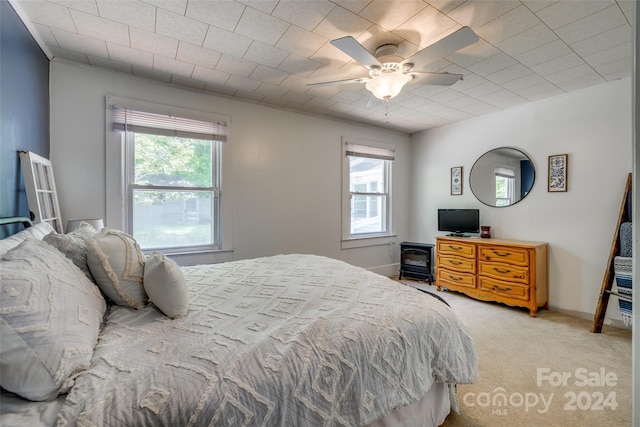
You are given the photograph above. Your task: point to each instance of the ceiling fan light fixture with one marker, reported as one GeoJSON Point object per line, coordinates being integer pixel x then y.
{"type": "Point", "coordinates": [387, 85]}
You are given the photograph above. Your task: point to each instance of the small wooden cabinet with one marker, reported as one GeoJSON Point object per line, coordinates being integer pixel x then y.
{"type": "Point", "coordinates": [507, 271]}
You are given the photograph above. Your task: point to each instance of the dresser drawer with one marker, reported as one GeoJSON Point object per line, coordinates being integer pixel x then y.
{"type": "Point", "coordinates": [504, 289]}
{"type": "Point", "coordinates": [509, 255]}
{"type": "Point", "coordinates": [464, 265]}
{"type": "Point", "coordinates": [504, 271]}
{"type": "Point", "coordinates": [448, 278]}
{"type": "Point", "coordinates": [467, 250]}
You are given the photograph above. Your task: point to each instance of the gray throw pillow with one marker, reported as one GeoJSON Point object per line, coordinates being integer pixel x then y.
{"type": "Point", "coordinates": [74, 245]}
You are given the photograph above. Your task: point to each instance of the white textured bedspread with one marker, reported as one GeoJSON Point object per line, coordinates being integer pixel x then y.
{"type": "Point", "coordinates": [289, 340]}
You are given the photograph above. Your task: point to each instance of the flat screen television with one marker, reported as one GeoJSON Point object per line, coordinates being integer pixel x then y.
{"type": "Point", "coordinates": [459, 221]}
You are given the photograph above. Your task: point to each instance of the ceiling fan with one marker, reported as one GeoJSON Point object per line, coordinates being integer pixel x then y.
{"type": "Point", "coordinates": [388, 73]}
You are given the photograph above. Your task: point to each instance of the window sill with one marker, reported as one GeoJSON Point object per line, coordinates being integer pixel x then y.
{"type": "Point", "coordinates": [363, 242]}
{"type": "Point", "coordinates": [202, 256]}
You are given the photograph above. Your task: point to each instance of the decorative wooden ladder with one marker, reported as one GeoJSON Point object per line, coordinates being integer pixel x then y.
{"type": "Point", "coordinates": [607, 281]}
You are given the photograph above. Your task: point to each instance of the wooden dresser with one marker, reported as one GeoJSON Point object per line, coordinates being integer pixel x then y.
{"type": "Point", "coordinates": [508, 271]}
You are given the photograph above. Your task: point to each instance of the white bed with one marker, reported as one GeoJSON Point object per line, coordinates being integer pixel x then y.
{"type": "Point", "coordinates": [288, 340]}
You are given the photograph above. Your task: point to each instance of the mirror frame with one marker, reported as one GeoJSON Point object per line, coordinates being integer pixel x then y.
{"type": "Point", "coordinates": [476, 191]}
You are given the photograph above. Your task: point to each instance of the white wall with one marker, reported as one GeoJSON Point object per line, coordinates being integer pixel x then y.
{"type": "Point", "coordinates": [282, 179]}
{"type": "Point", "coordinates": [594, 127]}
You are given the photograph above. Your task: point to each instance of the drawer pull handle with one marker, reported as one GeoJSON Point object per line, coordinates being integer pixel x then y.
{"type": "Point", "coordinates": [455, 248]}
{"type": "Point", "coordinates": [457, 279]}
{"type": "Point", "coordinates": [498, 288]}
{"type": "Point", "coordinates": [452, 262]}
{"type": "Point", "coordinates": [501, 254]}
{"type": "Point", "coordinates": [501, 271]}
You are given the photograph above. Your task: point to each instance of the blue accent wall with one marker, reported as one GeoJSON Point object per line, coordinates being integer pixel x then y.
{"type": "Point", "coordinates": [24, 109]}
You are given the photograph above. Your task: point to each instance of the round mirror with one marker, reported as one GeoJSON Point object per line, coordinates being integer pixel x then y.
{"type": "Point", "coordinates": [502, 177]}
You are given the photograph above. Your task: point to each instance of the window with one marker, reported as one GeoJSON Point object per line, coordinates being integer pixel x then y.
{"type": "Point", "coordinates": [172, 193]}
{"type": "Point", "coordinates": [505, 185]}
{"type": "Point", "coordinates": [367, 195]}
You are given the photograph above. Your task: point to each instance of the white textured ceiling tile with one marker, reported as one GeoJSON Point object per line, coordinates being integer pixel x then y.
{"type": "Point", "coordinates": [266, 6]}
{"type": "Point", "coordinates": [475, 13]}
{"type": "Point", "coordinates": [603, 41]}
{"type": "Point", "coordinates": [222, 14]}
{"type": "Point", "coordinates": [46, 35]}
{"type": "Point", "coordinates": [105, 63]}
{"type": "Point", "coordinates": [511, 73]}
{"type": "Point", "coordinates": [581, 82]}
{"type": "Point", "coordinates": [445, 6]}
{"type": "Point", "coordinates": [483, 89]}
{"type": "Point", "coordinates": [627, 8]}
{"type": "Point", "coordinates": [188, 82]}
{"type": "Point", "coordinates": [493, 97]}
{"type": "Point", "coordinates": [324, 91]}
{"type": "Point", "coordinates": [296, 64]}
{"type": "Point", "coordinates": [538, 5]}
{"type": "Point", "coordinates": [346, 97]}
{"type": "Point", "coordinates": [180, 27]}
{"type": "Point", "coordinates": [101, 28]}
{"type": "Point", "coordinates": [577, 72]}
{"type": "Point", "coordinates": [69, 55]}
{"type": "Point", "coordinates": [265, 54]}
{"type": "Point", "coordinates": [541, 91]}
{"type": "Point", "coordinates": [136, 14]}
{"type": "Point", "coordinates": [298, 98]}
{"type": "Point", "coordinates": [188, 52]}
{"type": "Point", "coordinates": [173, 66]}
{"type": "Point", "coordinates": [220, 89]}
{"type": "Point", "coordinates": [592, 25]}
{"type": "Point", "coordinates": [296, 83]}
{"type": "Point", "coordinates": [493, 64]}
{"type": "Point", "coordinates": [565, 12]}
{"type": "Point", "coordinates": [615, 70]}
{"type": "Point", "coordinates": [300, 41]}
{"type": "Point", "coordinates": [260, 26]}
{"type": "Point", "coordinates": [226, 42]}
{"type": "Point", "coordinates": [152, 42]}
{"type": "Point", "coordinates": [503, 104]}
{"type": "Point", "coordinates": [524, 82]}
{"type": "Point", "coordinates": [133, 56]}
{"type": "Point", "coordinates": [469, 81]}
{"type": "Point", "coordinates": [530, 39]}
{"type": "Point", "coordinates": [426, 27]}
{"type": "Point", "coordinates": [390, 18]}
{"type": "Point", "coordinates": [49, 14]}
{"type": "Point", "coordinates": [558, 64]}
{"type": "Point", "coordinates": [152, 74]}
{"type": "Point", "coordinates": [544, 53]}
{"type": "Point", "coordinates": [426, 91]}
{"type": "Point", "coordinates": [473, 54]}
{"type": "Point", "coordinates": [271, 91]}
{"type": "Point", "coordinates": [237, 66]}
{"type": "Point", "coordinates": [242, 83]}
{"type": "Point", "coordinates": [80, 43]}
{"type": "Point", "coordinates": [250, 96]}
{"type": "Point", "coordinates": [210, 75]}
{"type": "Point", "coordinates": [341, 22]}
{"type": "Point", "coordinates": [175, 6]}
{"type": "Point", "coordinates": [306, 14]}
{"type": "Point", "coordinates": [623, 51]}
{"type": "Point", "coordinates": [268, 75]}
{"type": "Point", "coordinates": [88, 6]}
{"type": "Point", "coordinates": [511, 24]}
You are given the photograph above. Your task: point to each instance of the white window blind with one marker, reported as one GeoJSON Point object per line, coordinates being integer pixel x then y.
{"type": "Point", "coordinates": [355, 150]}
{"type": "Point", "coordinates": [126, 120]}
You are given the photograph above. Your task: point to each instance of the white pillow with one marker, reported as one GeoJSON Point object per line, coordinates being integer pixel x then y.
{"type": "Point", "coordinates": [50, 318]}
{"type": "Point", "coordinates": [166, 286]}
{"type": "Point", "coordinates": [74, 245]}
{"type": "Point", "coordinates": [37, 231]}
{"type": "Point", "coordinates": [116, 263]}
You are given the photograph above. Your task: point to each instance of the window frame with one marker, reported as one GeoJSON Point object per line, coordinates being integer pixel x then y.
{"type": "Point", "coordinates": [115, 168]}
{"type": "Point", "coordinates": [349, 239]}
{"type": "Point", "coordinates": [131, 186]}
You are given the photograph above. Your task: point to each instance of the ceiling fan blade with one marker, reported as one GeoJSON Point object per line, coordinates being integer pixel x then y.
{"type": "Point", "coordinates": [351, 47]}
{"type": "Point", "coordinates": [437, 79]}
{"type": "Point", "coordinates": [444, 47]}
{"type": "Point", "coordinates": [339, 82]}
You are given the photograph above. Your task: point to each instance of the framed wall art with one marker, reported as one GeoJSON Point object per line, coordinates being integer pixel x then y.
{"type": "Point", "coordinates": [558, 165]}
{"type": "Point", "coordinates": [456, 181]}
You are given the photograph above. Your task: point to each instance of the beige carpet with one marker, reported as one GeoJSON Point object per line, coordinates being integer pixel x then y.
{"type": "Point", "coordinates": [525, 359]}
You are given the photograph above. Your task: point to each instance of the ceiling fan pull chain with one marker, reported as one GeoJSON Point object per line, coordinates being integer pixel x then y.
{"type": "Point", "coordinates": [386, 110]}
